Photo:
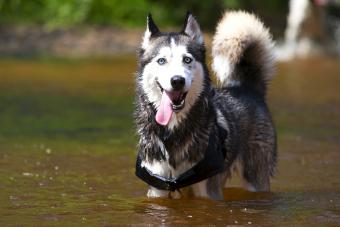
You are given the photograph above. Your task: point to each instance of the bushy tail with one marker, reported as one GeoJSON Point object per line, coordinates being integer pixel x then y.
{"type": "Point", "coordinates": [243, 51]}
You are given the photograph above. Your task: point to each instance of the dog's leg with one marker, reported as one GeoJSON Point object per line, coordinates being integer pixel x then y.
{"type": "Point", "coordinates": [156, 193]}
{"type": "Point", "coordinates": [255, 171]}
{"type": "Point", "coordinates": [200, 189]}
{"type": "Point", "coordinates": [210, 188]}
{"type": "Point", "coordinates": [215, 185]}
{"type": "Point", "coordinates": [259, 158]}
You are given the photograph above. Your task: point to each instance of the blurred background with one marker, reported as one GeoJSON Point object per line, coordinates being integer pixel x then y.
{"type": "Point", "coordinates": [67, 139]}
{"type": "Point", "coordinates": [109, 27]}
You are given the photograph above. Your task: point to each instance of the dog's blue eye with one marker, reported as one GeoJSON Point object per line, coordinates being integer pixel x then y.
{"type": "Point", "coordinates": [187, 60]}
{"type": "Point", "coordinates": [161, 61]}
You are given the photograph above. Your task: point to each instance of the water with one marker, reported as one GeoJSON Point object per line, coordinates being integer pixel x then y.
{"type": "Point", "coordinates": [67, 150]}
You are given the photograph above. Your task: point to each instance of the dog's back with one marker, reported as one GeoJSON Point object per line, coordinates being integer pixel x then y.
{"type": "Point", "coordinates": [243, 61]}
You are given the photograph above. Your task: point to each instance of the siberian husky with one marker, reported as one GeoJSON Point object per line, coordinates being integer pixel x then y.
{"type": "Point", "coordinates": [193, 132]}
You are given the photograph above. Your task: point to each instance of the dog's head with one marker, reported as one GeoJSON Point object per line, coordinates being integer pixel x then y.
{"type": "Point", "coordinates": [171, 69]}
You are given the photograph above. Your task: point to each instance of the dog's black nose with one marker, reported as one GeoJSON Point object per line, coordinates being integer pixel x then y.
{"type": "Point", "coordinates": [177, 82]}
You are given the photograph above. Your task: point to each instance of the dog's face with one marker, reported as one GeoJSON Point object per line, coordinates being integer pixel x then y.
{"type": "Point", "coordinates": [172, 74]}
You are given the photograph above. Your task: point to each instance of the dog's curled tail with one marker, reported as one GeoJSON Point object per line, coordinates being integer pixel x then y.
{"type": "Point", "coordinates": [242, 52]}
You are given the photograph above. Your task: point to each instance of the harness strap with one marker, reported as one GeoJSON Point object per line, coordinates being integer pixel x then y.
{"type": "Point", "coordinates": [212, 164]}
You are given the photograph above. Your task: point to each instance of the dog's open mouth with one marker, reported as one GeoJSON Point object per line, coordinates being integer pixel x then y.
{"type": "Point", "coordinates": [177, 98]}
{"type": "Point", "coordinates": [172, 101]}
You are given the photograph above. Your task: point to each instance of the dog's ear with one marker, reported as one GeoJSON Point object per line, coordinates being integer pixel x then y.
{"type": "Point", "coordinates": [192, 29]}
{"type": "Point", "coordinates": [151, 26]}
{"type": "Point", "coordinates": [151, 30]}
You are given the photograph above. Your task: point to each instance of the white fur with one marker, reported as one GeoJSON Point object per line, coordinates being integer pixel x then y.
{"type": "Point", "coordinates": [222, 67]}
{"type": "Point", "coordinates": [161, 168]}
{"type": "Point", "coordinates": [146, 39]}
{"type": "Point", "coordinates": [221, 120]}
{"type": "Point", "coordinates": [174, 66]}
{"type": "Point", "coordinates": [192, 73]}
{"type": "Point", "coordinates": [156, 193]}
{"type": "Point", "coordinates": [234, 33]}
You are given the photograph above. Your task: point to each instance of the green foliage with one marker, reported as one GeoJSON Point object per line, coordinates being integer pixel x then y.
{"type": "Point", "coordinates": [117, 12]}
{"type": "Point", "coordinates": [232, 4]}
{"type": "Point", "coordinates": [65, 12]}
{"type": "Point", "coordinates": [61, 13]}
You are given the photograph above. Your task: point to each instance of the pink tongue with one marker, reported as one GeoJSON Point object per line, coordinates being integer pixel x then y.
{"type": "Point", "coordinates": [165, 111]}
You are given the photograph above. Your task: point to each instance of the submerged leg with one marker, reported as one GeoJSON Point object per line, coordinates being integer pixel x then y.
{"type": "Point", "coordinates": [259, 158]}
{"type": "Point", "coordinates": [156, 193]}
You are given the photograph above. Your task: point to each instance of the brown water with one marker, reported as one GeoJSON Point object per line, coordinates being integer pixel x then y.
{"type": "Point", "coordinates": [67, 150]}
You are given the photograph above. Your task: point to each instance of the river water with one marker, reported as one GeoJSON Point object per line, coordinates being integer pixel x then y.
{"type": "Point", "coordinates": [67, 150]}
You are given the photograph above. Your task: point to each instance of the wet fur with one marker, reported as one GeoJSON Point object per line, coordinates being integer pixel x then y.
{"type": "Point", "coordinates": [237, 105]}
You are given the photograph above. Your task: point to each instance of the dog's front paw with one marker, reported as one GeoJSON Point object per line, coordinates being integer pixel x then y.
{"type": "Point", "coordinates": [156, 193]}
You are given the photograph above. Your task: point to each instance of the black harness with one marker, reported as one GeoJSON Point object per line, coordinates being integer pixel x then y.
{"type": "Point", "coordinates": [212, 164]}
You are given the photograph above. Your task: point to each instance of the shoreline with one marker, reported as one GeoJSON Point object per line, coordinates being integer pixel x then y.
{"type": "Point", "coordinates": [74, 42]}
{"type": "Point", "coordinates": [85, 41]}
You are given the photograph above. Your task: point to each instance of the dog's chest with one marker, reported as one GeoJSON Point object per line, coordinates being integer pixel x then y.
{"type": "Point", "coordinates": [163, 167]}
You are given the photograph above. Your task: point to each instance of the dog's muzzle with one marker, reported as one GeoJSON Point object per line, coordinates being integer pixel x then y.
{"type": "Point", "coordinates": [177, 96]}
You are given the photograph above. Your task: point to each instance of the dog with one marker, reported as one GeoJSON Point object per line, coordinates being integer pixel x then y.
{"type": "Point", "coordinates": [192, 133]}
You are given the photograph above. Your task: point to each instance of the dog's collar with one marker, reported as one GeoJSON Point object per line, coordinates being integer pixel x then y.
{"type": "Point", "coordinates": [212, 164]}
